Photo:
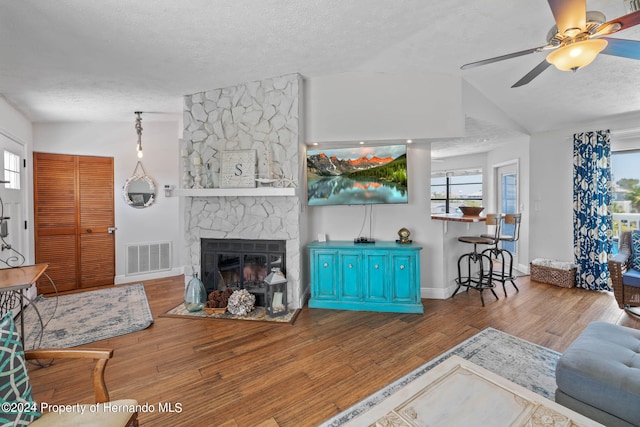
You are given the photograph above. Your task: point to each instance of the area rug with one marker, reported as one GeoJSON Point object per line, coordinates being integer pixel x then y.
{"type": "Point", "coordinates": [258, 314]}
{"type": "Point", "coordinates": [80, 318]}
{"type": "Point", "coordinates": [522, 362]}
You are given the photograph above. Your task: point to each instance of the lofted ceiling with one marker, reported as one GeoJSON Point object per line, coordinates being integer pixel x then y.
{"type": "Point", "coordinates": [101, 60]}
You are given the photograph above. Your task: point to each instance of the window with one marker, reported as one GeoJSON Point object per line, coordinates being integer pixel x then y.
{"type": "Point", "coordinates": [625, 179]}
{"type": "Point", "coordinates": [11, 170]}
{"type": "Point", "coordinates": [450, 189]}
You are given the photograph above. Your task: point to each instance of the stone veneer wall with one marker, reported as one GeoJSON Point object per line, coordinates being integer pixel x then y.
{"type": "Point", "coordinates": [262, 115]}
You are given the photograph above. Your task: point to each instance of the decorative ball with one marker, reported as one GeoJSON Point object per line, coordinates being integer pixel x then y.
{"type": "Point", "coordinates": [241, 302]}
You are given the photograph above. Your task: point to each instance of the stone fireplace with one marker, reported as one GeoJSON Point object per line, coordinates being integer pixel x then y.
{"type": "Point", "coordinates": [262, 116]}
{"type": "Point", "coordinates": [241, 264]}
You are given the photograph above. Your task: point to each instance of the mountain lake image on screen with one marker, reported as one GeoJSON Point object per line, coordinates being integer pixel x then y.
{"type": "Point", "coordinates": [359, 175]}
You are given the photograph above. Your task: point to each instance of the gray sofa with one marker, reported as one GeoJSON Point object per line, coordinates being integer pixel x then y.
{"type": "Point", "coordinates": [599, 375]}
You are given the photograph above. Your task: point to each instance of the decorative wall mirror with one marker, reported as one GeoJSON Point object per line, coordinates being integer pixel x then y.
{"type": "Point", "coordinates": [139, 190]}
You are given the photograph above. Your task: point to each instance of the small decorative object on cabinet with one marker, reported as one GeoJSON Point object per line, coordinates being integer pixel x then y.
{"type": "Point", "coordinates": [195, 296]}
{"type": "Point", "coordinates": [404, 234]}
{"type": "Point", "coordinates": [381, 276]}
{"type": "Point", "coordinates": [276, 293]}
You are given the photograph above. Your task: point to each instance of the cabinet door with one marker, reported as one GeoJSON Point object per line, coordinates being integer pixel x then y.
{"type": "Point", "coordinates": [403, 285]}
{"type": "Point", "coordinates": [377, 277]}
{"type": "Point", "coordinates": [324, 274]}
{"type": "Point", "coordinates": [350, 279]}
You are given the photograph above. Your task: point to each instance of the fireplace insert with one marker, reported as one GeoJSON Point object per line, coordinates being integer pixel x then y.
{"type": "Point", "coordinates": [240, 264]}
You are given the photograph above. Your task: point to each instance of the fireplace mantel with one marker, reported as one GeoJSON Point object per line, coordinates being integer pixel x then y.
{"type": "Point", "coordinates": [236, 192]}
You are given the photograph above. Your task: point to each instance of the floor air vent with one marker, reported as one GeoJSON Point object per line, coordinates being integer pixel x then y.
{"type": "Point", "coordinates": [148, 257]}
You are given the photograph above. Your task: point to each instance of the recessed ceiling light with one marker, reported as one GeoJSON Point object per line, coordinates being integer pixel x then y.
{"type": "Point", "coordinates": [409, 141]}
{"type": "Point", "coordinates": [361, 142]}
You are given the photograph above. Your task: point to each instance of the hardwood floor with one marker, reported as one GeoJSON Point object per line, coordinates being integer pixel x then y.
{"type": "Point", "coordinates": [236, 373]}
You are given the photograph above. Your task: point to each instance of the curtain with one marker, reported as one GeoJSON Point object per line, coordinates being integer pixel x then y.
{"type": "Point", "coordinates": [592, 220]}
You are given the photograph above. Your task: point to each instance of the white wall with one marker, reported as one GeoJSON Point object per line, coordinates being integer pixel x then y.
{"type": "Point", "coordinates": [378, 106]}
{"type": "Point", "coordinates": [159, 222]}
{"type": "Point", "coordinates": [390, 108]}
{"type": "Point", "coordinates": [551, 191]}
{"type": "Point", "coordinates": [551, 184]}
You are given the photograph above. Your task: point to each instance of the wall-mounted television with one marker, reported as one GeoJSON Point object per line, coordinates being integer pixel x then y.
{"type": "Point", "coordinates": [358, 175]}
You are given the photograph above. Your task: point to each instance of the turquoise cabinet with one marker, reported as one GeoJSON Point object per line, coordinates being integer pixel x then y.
{"type": "Point", "coordinates": [383, 276]}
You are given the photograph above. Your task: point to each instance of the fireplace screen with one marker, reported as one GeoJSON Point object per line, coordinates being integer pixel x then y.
{"type": "Point", "coordinates": [240, 264]}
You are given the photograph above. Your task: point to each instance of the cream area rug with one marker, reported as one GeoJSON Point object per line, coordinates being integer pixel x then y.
{"type": "Point", "coordinates": [84, 317]}
{"type": "Point", "coordinates": [524, 363]}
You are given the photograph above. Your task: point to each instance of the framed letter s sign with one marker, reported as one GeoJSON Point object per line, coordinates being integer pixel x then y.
{"type": "Point", "coordinates": [238, 169]}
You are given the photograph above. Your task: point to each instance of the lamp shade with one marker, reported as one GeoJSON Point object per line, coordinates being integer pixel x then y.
{"type": "Point", "coordinates": [576, 55]}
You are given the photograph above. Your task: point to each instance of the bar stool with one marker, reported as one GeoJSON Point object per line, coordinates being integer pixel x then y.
{"type": "Point", "coordinates": [475, 269]}
{"type": "Point", "coordinates": [503, 257]}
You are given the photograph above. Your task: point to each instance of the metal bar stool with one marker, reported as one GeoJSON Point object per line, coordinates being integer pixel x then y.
{"type": "Point", "coordinates": [503, 257]}
{"type": "Point", "coordinates": [475, 269]}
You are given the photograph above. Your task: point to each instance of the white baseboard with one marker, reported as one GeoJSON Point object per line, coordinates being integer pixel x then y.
{"type": "Point", "coordinates": [437, 293]}
{"type": "Point", "coordinates": [142, 277]}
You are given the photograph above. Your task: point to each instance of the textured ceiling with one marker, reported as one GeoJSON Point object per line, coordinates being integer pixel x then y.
{"type": "Point", "coordinates": [101, 60]}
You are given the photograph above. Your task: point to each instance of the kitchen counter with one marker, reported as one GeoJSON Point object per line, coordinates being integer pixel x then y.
{"type": "Point", "coordinates": [458, 217]}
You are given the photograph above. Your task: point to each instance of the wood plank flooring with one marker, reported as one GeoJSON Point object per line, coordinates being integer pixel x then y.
{"type": "Point", "coordinates": [237, 373]}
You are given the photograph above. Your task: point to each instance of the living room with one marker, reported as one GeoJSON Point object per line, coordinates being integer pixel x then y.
{"type": "Point", "coordinates": [429, 107]}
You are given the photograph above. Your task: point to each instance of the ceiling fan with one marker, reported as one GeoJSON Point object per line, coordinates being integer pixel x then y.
{"type": "Point", "coordinates": [576, 39]}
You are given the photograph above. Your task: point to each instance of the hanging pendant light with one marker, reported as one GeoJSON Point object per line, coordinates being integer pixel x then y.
{"type": "Point", "coordinates": [139, 129]}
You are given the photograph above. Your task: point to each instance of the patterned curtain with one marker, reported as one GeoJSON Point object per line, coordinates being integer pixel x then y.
{"type": "Point", "coordinates": [592, 220]}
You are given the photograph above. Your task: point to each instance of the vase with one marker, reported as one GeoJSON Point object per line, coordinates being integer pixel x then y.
{"type": "Point", "coordinates": [195, 296]}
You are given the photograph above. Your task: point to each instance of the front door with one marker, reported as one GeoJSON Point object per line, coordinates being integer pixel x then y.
{"type": "Point", "coordinates": [507, 181]}
{"type": "Point", "coordinates": [12, 216]}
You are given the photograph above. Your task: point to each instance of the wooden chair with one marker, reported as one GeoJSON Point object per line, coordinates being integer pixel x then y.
{"type": "Point", "coordinates": [625, 289]}
{"type": "Point", "coordinates": [94, 415]}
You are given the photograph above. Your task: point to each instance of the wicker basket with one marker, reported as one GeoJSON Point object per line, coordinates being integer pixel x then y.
{"type": "Point", "coordinates": [553, 276]}
{"type": "Point", "coordinates": [211, 311]}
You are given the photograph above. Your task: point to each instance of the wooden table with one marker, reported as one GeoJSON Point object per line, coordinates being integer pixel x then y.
{"type": "Point", "coordinates": [460, 393]}
{"type": "Point", "coordinates": [18, 279]}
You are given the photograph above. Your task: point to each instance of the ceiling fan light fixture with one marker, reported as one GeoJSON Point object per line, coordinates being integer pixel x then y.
{"type": "Point", "coordinates": [576, 55]}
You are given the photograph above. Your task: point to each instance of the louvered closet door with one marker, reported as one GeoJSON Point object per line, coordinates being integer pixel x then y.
{"type": "Point", "coordinates": [97, 242]}
{"type": "Point", "coordinates": [73, 215]}
{"type": "Point", "coordinates": [54, 179]}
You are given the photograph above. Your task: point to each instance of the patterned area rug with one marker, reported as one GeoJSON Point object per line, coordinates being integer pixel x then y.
{"type": "Point", "coordinates": [86, 317]}
{"type": "Point", "coordinates": [258, 314]}
{"type": "Point", "coordinates": [524, 363]}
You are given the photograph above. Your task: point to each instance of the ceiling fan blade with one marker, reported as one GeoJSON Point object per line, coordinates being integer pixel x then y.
{"type": "Point", "coordinates": [503, 57]}
{"type": "Point", "coordinates": [532, 74]}
{"type": "Point", "coordinates": [569, 13]}
{"type": "Point", "coordinates": [622, 47]}
{"type": "Point", "coordinates": [618, 24]}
